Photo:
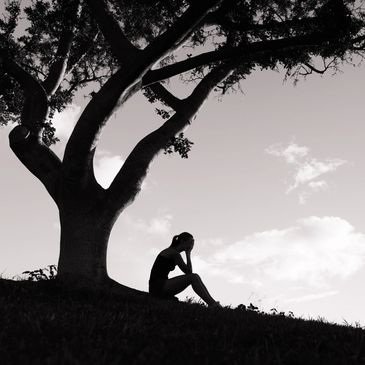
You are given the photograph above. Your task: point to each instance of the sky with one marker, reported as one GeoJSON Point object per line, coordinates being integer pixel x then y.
{"type": "Point", "coordinates": [273, 192]}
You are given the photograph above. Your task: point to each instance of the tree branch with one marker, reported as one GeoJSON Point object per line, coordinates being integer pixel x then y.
{"type": "Point", "coordinates": [165, 96]}
{"type": "Point", "coordinates": [34, 69]}
{"type": "Point", "coordinates": [26, 139]}
{"type": "Point", "coordinates": [312, 69]}
{"type": "Point", "coordinates": [218, 18]}
{"type": "Point", "coordinates": [127, 183]}
{"type": "Point", "coordinates": [84, 137]}
{"type": "Point", "coordinates": [35, 108]}
{"type": "Point", "coordinates": [58, 68]}
{"type": "Point", "coordinates": [71, 64]}
{"type": "Point", "coordinates": [247, 51]}
{"type": "Point", "coordinates": [179, 31]}
{"type": "Point", "coordinates": [122, 48]}
{"type": "Point", "coordinates": [37, 158]}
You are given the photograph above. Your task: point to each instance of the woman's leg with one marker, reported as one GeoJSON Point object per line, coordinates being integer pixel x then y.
{"type": "Point", "coordinates": [177, 284]}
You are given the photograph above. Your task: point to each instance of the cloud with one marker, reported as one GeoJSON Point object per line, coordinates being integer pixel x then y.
{"type": "Point", "coordinates": [303, 196]}
{"type": "Point", "coordinates": [212, 267]}
{"type": "Point", "coordinates": [314, 251]}
{"type": "Point", "coordinates": [106, 166]}
{"type": "Point", "coordinates": [65, 121]}
{"type": "Point", "coordinates": [310, 170]}
{"type": "Point", "coordinates": [318, 185]}
{"type": "Point", "coordinates": [305, 169]}
{"type": "Point", "coordinates": [160, 225]}
{"type": "Point", "coordinates": [291, 153]}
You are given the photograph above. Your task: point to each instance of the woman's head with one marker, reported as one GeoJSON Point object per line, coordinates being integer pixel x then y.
{"type": "Point", "coordinates": [184, 241]}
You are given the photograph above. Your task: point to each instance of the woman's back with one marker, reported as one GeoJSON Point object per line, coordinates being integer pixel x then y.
{"type": "Point", "coordinates": [163, 264]}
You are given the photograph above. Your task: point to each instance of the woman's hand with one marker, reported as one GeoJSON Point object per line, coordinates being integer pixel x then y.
{"type": "Point", "coordinates": [188, 259]}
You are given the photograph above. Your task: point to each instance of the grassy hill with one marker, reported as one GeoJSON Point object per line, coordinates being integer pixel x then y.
{"type": "Point", "coordinates": [39, 324]}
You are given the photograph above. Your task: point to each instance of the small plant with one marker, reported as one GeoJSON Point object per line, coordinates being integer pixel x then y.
{"type": "Point", "coordinates": [48, 273]}
{"type": "Point", "coordinates": [192, 300]}
{"type": "Point", "coordinates": [275, 312]}
{"type": "Point", "coordinates": [253, 308]}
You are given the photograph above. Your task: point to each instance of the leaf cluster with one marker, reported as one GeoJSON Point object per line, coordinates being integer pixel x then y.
{"type": "Point", "coordinates": [179, 144]}
{"type": "Point", "coordinates": [143, 20]}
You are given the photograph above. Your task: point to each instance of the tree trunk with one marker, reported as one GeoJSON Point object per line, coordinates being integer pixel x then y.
{"type": "Point", "coordinates": [83, 252]}
{"type": "Point", "coordinates": [83, 247]}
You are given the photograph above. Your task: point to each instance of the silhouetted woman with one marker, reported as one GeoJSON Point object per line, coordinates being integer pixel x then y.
{"type": "Point", "coordinates": [161, 286]}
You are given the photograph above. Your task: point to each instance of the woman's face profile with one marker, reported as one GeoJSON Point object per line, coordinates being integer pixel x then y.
{"type": "Point", "coordinates": [189, 243]}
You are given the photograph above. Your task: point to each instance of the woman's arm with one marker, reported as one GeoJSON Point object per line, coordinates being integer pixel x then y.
{"type": "Point", "coordinates": [184, 267]}
{"type": "Point", "coordinates": [188, 260]}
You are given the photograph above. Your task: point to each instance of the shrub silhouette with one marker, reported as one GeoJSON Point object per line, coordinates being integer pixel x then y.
{"type": "Point", "coordinates": [48, 273]}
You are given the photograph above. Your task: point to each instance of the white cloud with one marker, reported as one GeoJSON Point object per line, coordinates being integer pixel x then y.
{"type": "Point", "coordinates": [303, 196]}
{"type": "Point", "coordinates": [291, 153]}
{"type": "Point", "coordinates": [313, 251]}
{"type": "Point", "coordinates": [212, 267]}
{"type": "Point", "coordinates": [306, 169]}
{"type": "Point", "coordinates": [312, 169]}
{"type": "Point", "coordinates": [106, 166]}
{"type": "Point", "coordinates": [65, 121]}
{"type": "Point", "coordinates": [160, 225]}
{"type": "Point", "coordinates": [318, 185]}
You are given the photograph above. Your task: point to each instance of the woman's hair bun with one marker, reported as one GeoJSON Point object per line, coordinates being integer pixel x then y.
{"type": "Point", "coordinates": [181, 236]}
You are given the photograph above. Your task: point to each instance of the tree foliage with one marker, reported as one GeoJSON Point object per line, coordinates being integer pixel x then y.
{"type": "Point", "coordinates": [30, 34]}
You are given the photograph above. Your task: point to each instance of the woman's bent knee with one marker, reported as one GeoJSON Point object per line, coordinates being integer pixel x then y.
{"type": "Point", "coordinates": [194, 277]}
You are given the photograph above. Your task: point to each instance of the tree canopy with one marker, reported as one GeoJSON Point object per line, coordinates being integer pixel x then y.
{"type": "Point", "coordinates": [43, 36]}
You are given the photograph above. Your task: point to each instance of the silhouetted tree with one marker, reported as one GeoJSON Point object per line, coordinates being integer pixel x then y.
{"type": "Point", "coordinates": [126, 46]}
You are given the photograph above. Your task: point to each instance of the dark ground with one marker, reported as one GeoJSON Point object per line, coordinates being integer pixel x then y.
{"type": "Point", "coordinates": [44, 325]}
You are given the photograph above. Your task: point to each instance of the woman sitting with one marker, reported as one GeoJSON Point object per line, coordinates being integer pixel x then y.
{"type": "Point", "coordinates": [161, 286]}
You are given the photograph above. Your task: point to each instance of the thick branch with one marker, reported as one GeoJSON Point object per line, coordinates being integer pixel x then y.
{"type": "Point", "coordinates": [37, 158]}
{"type": "Point", "coordinates": [219, 18]}
{"type": "Point", "coordinates": [127, 183]}
{"type": "Point", "coordinates": [247, 51]}
{"type": "Point", "coordinates": [122, 48]}
{"type": "Point", "coordinates": [35, 108]}
{"type": "Point", "coordinates": [25, 139]}
{"type": "Point", "coordinates": [179, 31]}
{"type": "Point", "coordinates": [165, 96]}
{"type": "Point", "coordinates": [58, 68]}
{"type": "Point", "coordinates": [83, 140]}
{"type": "Point", "coordinates": [214, 77]}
